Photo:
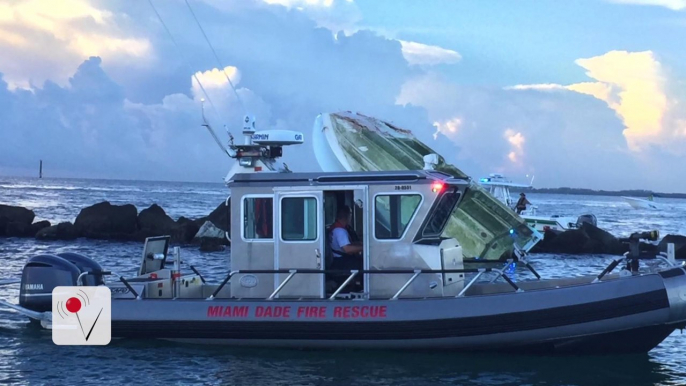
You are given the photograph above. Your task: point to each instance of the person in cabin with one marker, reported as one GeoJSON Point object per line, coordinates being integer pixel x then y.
{"type": "Point", "coordinates": [522, 203]}
{"type": "Point", "coordinates": [344, 244]}
{"type": "Point", "coordinates": [344, 249]}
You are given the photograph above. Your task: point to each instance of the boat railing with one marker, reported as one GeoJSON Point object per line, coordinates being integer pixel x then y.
{"type": "Point", "coordinates": [632, 261]}
{"type": "Point", "coordinates": [353, 273]}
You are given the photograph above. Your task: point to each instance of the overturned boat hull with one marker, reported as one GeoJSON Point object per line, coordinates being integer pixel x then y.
{"type": "Point", "coordinates": [485, 228]}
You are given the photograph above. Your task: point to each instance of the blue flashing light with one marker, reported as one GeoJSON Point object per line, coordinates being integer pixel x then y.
{"type": "Point", "coordinates": [512, 231]}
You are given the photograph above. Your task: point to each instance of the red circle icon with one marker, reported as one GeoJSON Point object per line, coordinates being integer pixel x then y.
{"type": "Point", "coordinates": [73, 305]}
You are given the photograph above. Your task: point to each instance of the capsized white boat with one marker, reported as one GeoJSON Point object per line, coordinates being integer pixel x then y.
{"type": "Point", "coordinates": [499, 187]}
{"type": "Point", "coordinates": [639, 203]}
{"type": "Point", "coordinates": [353, 142]}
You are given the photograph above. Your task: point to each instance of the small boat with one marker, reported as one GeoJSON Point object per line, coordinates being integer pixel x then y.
{"type": "Point", "coordinates": [410, 290]}
{"type": "Point", "coordinates": [499, 187]}
{"type": "Point", "coordinates": [640, 203]}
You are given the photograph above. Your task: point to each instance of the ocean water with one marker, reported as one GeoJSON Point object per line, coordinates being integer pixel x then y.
{"type": "Point", "coordinates": [28, 356]}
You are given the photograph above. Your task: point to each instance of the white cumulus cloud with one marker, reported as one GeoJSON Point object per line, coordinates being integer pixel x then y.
{"type": "Point", "coordinates": [43, 40]}
{"type": "Point", "coordinates": [418, 53]}
{"type": "Point", "coordinates": [676, 5]}
{"type": "Point", "coordinates": [634, 85]}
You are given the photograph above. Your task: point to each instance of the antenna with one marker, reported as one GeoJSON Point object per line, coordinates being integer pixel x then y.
{"type": "Point", "coordinates": [221, 66]}
{"type": "Point", "coordinates": [183, 56]}
{"type": "Point", "coordinates": [209, 128]}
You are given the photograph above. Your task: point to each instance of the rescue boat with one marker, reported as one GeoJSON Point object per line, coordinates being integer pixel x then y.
{"type": "Point", "coordinates": [410, 291]}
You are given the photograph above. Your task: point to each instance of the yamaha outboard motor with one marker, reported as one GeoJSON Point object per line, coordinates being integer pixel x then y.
{"type": "Point", "coordinates": [40, 276]}
{"type": "Point", "coordinates": [85, 264]}
{"type": "Point", "coordinates": [586, 218]}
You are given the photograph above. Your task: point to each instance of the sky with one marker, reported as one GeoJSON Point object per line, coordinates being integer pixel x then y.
{"type": "Point", "coordinates": [586, 93]}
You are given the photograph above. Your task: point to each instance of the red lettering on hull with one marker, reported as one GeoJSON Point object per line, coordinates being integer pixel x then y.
{"type": "Point", "coordinates": [359, 312]}
{"type": "Point", "coordinates": [302, 312]}
{"type": "Point", "coordinates": [273, 312]}
{"type": "Point", "coordinates": [227, 312]}
{"type": "Point", "coordinates": [311, 312]}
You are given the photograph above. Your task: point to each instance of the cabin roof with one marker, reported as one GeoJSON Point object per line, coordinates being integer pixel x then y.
{"type": "Point", "coordinates": [328, 178]}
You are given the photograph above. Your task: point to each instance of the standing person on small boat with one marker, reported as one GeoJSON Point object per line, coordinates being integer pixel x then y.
{"type": "Point", "coordinates": [522, 203]}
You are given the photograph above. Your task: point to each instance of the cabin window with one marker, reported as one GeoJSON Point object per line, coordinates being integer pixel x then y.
{"type": "Point", "coordinates": [441, 214]}
{"type": "Point", "coordinates": [257, 218]}
{"type": "Point", "coordinates": [393, 213]}
{"type": "Point", "coordinates": [299, 218]}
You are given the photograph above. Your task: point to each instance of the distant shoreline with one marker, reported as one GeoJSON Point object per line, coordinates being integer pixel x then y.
{"type": "Point", "coordinates": [569, 191]}
{"type": "Point", "coordinates": [591, 192]}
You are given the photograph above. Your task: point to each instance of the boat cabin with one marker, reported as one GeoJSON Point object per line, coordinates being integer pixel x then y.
{"type": "Point", "coordinates": [282, 221]}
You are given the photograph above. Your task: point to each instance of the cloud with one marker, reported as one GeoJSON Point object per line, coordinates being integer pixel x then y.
{"type": "Point", "coordinates": [675, 5]}
{"type": "Point", "coordinates": [418, 53]}
{"type": "Point", "coordinates": [335, 15]}
{"type": "Point", "coordinates": [43, 40]}
{"type": "Point", "coordinates": [539, 87]}
{"type": "Point", "coordinates": [137, 114]}
{"type": "Point", "coordinates": [448, 128]}
{"type": "Point", "coordinates": [516, 140]}
{"type": "Point", "coordinates": [107, 121]}
{"type": "Point", "coordinates": [563, 138]}
{"type": "Point", "coordinates": [634, 85]}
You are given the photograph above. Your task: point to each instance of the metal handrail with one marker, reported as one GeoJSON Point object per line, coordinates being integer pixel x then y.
{"type": "Point", "coordinates": [345, 283]}
{"type": "Point", "coordinates": [667, 258]}
{"type": "Point", "coordinates": [415, 273]}
{"type": "Point", "coordinates": [283, 284]}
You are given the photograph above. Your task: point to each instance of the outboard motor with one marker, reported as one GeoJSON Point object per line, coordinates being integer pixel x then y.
{"type": "Point", "coordinates": [587, 218]}
{"type": "Point", "coordinates": [85, 264]}
{"type": "Point", "coordinates": [40, 276]}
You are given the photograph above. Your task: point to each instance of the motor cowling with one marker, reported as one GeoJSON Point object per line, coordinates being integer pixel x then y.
{"type": "Point", "coordinates": [85, 264]}
{"type": "Point", "coordinates": [41, 274]}
{"type": "Point", "coordinates": [587, 218]}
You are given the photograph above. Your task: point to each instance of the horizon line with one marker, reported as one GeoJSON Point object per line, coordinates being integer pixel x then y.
{"type": "Point", "coordinates": [222, 183]}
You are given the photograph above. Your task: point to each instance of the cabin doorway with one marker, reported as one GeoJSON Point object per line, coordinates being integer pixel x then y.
{"type": "Point", "coordinates": [355, 199]}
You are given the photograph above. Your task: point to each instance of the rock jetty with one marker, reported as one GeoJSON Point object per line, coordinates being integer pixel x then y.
{"type": "Point", "coordinates": [104, 221]}
{"type": "Point", "coordinates": [589, 239]}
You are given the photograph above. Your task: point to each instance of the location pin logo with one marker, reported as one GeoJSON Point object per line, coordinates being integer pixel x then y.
{"type": "Point", "coordinates": [81, 315]}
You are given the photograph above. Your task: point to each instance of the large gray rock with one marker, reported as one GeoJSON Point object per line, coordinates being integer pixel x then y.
{"type": "Point", "coordinates": [156, 221]}
{"type": "Point", "coordinates": [16, 229]}
{"type": "Point", "coordinates": [15, 220]}
{"type": "Point", "coordinates": [209, 230]}
{"type": "Point", "coordinates": [587, 239]}
{"type": "Point", "coordinates": [37, 226]}
{"type": "Point", "coordinates": [17, 214]}
{"type": "Point", "coordinates": [220, 217]}
{"type": "Point", "coordinates": [185, 230]}
{"type": "Point", "coordinates": [601, 241]}
{"type": "Point", "coordinates": [107, 221]}
{"type": "Point", "coordinates": [61, 231]}
{"type": "Point", "coordinates": [569, 242]}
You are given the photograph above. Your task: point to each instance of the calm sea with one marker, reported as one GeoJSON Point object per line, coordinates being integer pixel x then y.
{"type": "Point", "coordinates": [28, 356]}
